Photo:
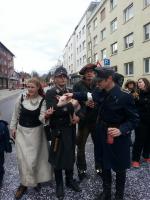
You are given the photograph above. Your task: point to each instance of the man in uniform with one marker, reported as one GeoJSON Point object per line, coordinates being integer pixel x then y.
{"type": "Point", "coordinates": [116, 118]}
{"type": "Point", "coordinates": [87, 115]}
{"type": "Point", "coordinates": [62, 123]}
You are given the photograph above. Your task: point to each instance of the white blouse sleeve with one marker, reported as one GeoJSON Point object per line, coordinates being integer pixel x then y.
{"type": "Point", "coordinates": [42, 112]}
{"type": "Point", "coordinates": [15, 115]}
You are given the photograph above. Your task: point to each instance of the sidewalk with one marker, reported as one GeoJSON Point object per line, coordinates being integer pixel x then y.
{"type": "Point", "coordinates": [6, 93]}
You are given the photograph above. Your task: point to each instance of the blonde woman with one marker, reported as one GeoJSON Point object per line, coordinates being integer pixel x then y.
{"type": "Point", "coordinates": [31, 144]}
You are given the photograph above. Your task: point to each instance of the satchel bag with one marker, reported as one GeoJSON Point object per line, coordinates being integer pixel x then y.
{"type": "Point", "coordinates": [48, 132]}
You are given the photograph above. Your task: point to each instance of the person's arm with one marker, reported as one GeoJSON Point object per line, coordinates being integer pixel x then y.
{"type": "Point", "coordinates": [132, 116]}
{"type": "Point", "coordinates": [15, 115]}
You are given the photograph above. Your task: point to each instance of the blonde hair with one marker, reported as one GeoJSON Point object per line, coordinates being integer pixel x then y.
{"type": "Point", "coordinates": [37, 82]}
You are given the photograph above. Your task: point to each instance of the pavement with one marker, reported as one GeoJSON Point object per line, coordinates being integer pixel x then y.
{"type": "Point", "coordinates": [6, 93]}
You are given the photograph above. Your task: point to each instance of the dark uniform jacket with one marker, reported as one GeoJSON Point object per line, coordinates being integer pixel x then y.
{"type": "Point", "coordinates": [143, 106]}
{"type": "Point", "coordinates": [117, 109]}
{"type": "Point", "coordinates": [87, 115]}
{"type": "Point", "coordinates": [62, 150]}
{"type": "Point", "coordinates": [5, 144]}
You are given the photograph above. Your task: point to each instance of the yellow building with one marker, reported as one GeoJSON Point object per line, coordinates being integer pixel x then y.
{"type": "Point", "coordinates": [120, 31]}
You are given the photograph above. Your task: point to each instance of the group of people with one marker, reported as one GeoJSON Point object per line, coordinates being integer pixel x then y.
{"type": "Point", "coordinates": [102, 109]}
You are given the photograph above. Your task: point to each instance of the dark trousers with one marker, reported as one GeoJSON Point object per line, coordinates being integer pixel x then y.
{"type": "Point", "coordinates": [59, 176]}
{"type": "Point", "coordinates": [142, 142]}
{"type": "Point", "coordinates": [1, 166]}
{"type": "Point", "coordinates": [120, 183]}
{"type": "Point", "coordinates": [82, 136]}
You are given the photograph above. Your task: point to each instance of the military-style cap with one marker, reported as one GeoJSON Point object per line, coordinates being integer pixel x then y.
{"type": "Point", "coordinates": [104, 73]}
{"type": "Point", "coordinates": [88, 66]}
{"type": "Point", "coordinates": [61, 71]}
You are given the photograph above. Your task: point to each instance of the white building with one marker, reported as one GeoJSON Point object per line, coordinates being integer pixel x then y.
{"type": "Point", "coordinates": [75, 52]}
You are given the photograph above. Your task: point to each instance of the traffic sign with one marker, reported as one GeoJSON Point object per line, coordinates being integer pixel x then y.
{"type": "Point", "coordinates": [106, 61]}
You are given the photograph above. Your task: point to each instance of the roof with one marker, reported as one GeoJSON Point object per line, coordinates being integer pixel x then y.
{"type": "Point", "coordinates": [1, 44]}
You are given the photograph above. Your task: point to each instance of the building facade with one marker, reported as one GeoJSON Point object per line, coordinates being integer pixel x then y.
{"type": "Point", "coordinates": [6, 66]}
{"type": "Point", "coordinates": [75, 51]}
{"type": "Point", "coordinates": [119, 31]}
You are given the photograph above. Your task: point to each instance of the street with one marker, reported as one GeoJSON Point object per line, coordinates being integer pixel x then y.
{"type": "Point", "coordinates": [137, 184]}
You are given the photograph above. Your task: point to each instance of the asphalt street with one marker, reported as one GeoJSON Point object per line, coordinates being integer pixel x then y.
{"type": "Point", "coordinates": [137, 184]}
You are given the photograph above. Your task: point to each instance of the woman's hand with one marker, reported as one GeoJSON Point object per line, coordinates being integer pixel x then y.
{"type": "Point", "coordinates": [13, 133]}
{"type": "Point", "coordinates": [49, 112]}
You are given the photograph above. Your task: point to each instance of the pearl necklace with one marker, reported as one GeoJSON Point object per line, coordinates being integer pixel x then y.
{"type": "Point", "coordinates": [34, 103]}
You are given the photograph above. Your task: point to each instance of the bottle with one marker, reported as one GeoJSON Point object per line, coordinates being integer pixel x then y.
{"type": "Point", "coordinates": [110, 139]}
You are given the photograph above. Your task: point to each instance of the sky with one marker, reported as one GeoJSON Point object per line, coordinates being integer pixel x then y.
{"type": "Point", "coordinates": [36, 31]}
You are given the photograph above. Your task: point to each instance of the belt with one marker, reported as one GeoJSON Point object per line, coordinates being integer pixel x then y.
{"type": "Point", "coordinates": [109, 124]}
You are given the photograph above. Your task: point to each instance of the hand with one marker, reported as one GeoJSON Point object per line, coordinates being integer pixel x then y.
{"type": "Point", "coordinates": [90, 103]}
{"type": "Point", "coordinates": [75, 119]}
{"type": "Point", "coordinates": [68, 95]}
{"type": "Point", "coordinates": [62, 100]}
{"type": "Point", "coordinates": [114, 132]}
{"type": "Point", "coordinates": [13, 133]}
{"type": "Point", "coordinates": [49, 112]}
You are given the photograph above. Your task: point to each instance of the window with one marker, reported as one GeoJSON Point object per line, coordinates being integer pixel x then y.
{"type": "Point", "coordinates": [77, 50]}
{"type": "Point", "coordinates": [95, 41]}
{"type": "Point", "coordinates": [84, 58]}
{"type": "Point", "coordinates": [83, 45]}
{"type": "Point", "coordinates": [103, 53]}
{"type": "Point", "coordinates": [89, 30]}
{"type": "Point", "coordinates": [128, 68]}
{"type": "Point", "coordinates": [80, 61]}
{"type": "Point", "coordinates": [147, 31]}
{"type": "Point", "coordinates": [79, 34]}
{"type": "Point", "coordinates": [102, 14]}
{"type": "Point", "coordinates": [83, 30]}
{"type": "Point", "coordinates": [128, 12]}
{"type": "Point", "coordinates": [103, 34]}
{"type": "Point", "coordinates": [113, 3]}
{"type": "Point", "coordinates": [114, 48]}
{"type": "Point", "coordinates": [80, 47]}
{"type": "Point", "coordinates": [95, 57]}
{"type": "Point", "coordinates": [113, 25]}
{"type": "Point", "coordinates": [77, 38]}
{"type": "Point", "coordinates": [89, 60]}
{"type": "Point", "coordinates": [147, 65]}
{"type": "Point", "coordinates": [115, 68]}
{"type": "Point", "coordinates": [89, 45]}
{"type": "Point", "coordinates": [129, 41]}
{"type": "Point", "coordinates": [95, 23]}
{"type": "Point", "coordinates": [146, 3]}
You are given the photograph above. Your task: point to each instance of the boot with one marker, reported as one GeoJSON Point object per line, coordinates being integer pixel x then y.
{"type": "Point", "coordinates": [82, 174]}
{"type": "Point", "coordinates": [106, 194]}
{"type": "Point", "coordinates": [120, 184]}
{"type": "Point", "coordinates": [59, 184]}
{"type": "Point", "coordinates": [20, 191]}
{"type": "Point", "coordinates": [70, 182]}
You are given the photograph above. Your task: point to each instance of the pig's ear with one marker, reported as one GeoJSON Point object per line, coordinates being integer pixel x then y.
{"type": "Point", "coordinates": [57, 97]}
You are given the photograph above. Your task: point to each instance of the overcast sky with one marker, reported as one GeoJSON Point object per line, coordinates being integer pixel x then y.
{"type": "Point", "coordinates": [36, 31]}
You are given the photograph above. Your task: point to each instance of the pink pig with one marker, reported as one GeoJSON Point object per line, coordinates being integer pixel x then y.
{"type": "Point", "coordinates": [63, 101]}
